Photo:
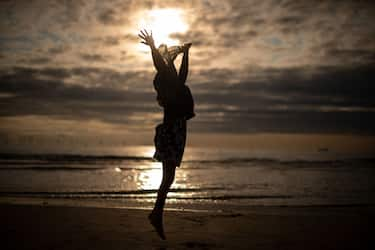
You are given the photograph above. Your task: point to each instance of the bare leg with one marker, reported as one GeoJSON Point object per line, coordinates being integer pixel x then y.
{"type": "Point", "coordinates": [169, 168]}
{"type": "Point", "coordinates": [156, 216]}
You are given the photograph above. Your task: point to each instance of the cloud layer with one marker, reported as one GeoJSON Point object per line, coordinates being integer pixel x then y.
{"type": "Point", "coordinates": [269, 66]}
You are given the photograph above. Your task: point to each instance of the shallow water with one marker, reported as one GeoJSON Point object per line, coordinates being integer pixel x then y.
{"type": "Point", "coordinates": [207, 177]}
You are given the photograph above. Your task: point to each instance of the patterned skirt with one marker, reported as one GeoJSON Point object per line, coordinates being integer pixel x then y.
{"type": "Point", "coordinates": [170, 141]}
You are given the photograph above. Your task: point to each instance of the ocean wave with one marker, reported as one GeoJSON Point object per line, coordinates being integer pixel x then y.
{"type": "Point", "coordinates": [52, 168]}
{"type": "Point", "coordinates": [73, 168]}
{"type": "Point", "coordinates": [42, 162]}
{"type": "Point", "coordinates": [111, 193]}
{"type": "Point", "coordinates": [68, 158]}
{"type": "Point", "coordinates": [280, 161]}
{"type": "Point", "coordinates": [144, 194]}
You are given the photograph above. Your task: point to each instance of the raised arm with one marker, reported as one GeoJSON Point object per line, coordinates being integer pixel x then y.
{"type": "Point", "coordinates": [156, 57]}
{"type": "Point", "coordinates": [184, 69]}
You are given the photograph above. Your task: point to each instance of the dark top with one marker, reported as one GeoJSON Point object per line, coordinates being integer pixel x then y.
{"type": "Point", "coordinates": [169, 97]}
{"type": "Point", "coordinates": [173, 95]}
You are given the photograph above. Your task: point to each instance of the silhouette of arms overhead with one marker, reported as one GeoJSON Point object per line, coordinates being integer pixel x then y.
{"type": "Point", "coordinates": [185, 63]}
{"type": "Point", "coordinates": [147, 39]}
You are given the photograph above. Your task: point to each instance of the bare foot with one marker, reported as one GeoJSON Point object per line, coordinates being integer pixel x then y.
{"type": "Point", "coordinates": [157, 222]}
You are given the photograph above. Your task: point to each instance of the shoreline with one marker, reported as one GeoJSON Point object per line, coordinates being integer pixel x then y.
{"type": "Point", "coordinates": [65, 227]}
{"type": "Point", "coordinates": [170, 206]}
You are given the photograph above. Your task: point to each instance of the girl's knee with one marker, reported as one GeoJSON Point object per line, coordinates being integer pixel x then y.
{"type": "Point", "coordinates": [170, 164]}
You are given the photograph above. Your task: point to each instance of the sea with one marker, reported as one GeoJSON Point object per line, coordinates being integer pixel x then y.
{"type": "Point", "coordinates": [208, 178]}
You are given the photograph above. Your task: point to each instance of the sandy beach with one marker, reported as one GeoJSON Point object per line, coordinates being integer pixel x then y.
{"type": "Point", "coordinates": [60, 227]}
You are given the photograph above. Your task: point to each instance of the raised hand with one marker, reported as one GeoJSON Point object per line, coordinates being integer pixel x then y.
{"type": "Point", "coordinates": [146, 38]}
{"type": "Point", "coordinates": [186, 47]}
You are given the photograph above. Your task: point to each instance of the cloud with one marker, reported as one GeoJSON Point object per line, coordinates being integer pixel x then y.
{"type": "Point", "coordinates": [55, 50]}
{"type": "Point", "coordinates": [291, 67]}
{"type": "Point", "coordinates": [288, 34]}
{"type": "Point", "coordinates": [350, 55]}
{"type": "Point", "coordinates": [43, 92]}
{"type": "Point", "coordinates": [36, 60]}
{"type": "Point", "coordinates": [319, 100]}
{"type": "Point", "coordinates": [93, 57]}
{"type": "Point", "coordinates": [316, 101]}
{"type": "Point", "coordinates": [110, 17]}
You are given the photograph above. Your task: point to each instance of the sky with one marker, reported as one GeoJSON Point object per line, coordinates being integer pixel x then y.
{"type": "Point", "coordinates": [73, 73]}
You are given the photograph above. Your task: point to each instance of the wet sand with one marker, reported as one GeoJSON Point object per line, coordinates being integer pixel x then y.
{"type": "Point", "coordinates": [59, 227]}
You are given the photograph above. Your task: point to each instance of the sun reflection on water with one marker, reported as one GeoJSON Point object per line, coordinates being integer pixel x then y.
{"type": "Point", "coordinates": [149, 178]}
{"type": "Point", "coordinates": [147, 175]}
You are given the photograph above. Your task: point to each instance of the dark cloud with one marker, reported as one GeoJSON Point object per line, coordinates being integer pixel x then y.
{"type": "Point", "coordinates": [36, 60]}
{"type": "Point", "coordinates": [352, 54]}
{"type": "Point", "coordinates": [290, 20]}
{"type": "Point", "coordinates": [111, 40]}
{"type": "Point", "coordinates": [94, 57]}
{"type": "Point", "coordinates": [36, 95]}
{"type": "Point", "coordinates": [114, 40]}
{"type": "Point", "coordinates": [21, 80]}
{"type": "Point", "coordinates": [290, 122]}
{"type": "Point", "coordinates": [57, 50]}
{"type": "Point", "coordinates": [324, 86]}
{"type": "Point", "coordinates": [113, 15]}
{"type": "Point", "coordinates": [256, 66]}
{"type": "Point", "coordinates": [108, 17]}
{"type": "Point", "coordinates": [329, 100]}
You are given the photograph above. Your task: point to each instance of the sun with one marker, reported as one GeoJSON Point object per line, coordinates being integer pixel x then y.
{"type": "Point", "coordinates": [164, 23]}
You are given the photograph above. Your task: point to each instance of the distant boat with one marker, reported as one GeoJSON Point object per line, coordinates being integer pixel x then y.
{"type": "Point", "coordinates": [322, 149]}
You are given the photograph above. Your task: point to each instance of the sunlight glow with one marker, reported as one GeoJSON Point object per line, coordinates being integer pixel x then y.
{"type": "Point", "coordinates": [163, 23]}
{"type": "Point", "coordinates": [149, 179]}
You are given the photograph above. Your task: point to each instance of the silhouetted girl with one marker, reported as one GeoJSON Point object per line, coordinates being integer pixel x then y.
{"type": "Point", "coordinates": [177, 102]}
